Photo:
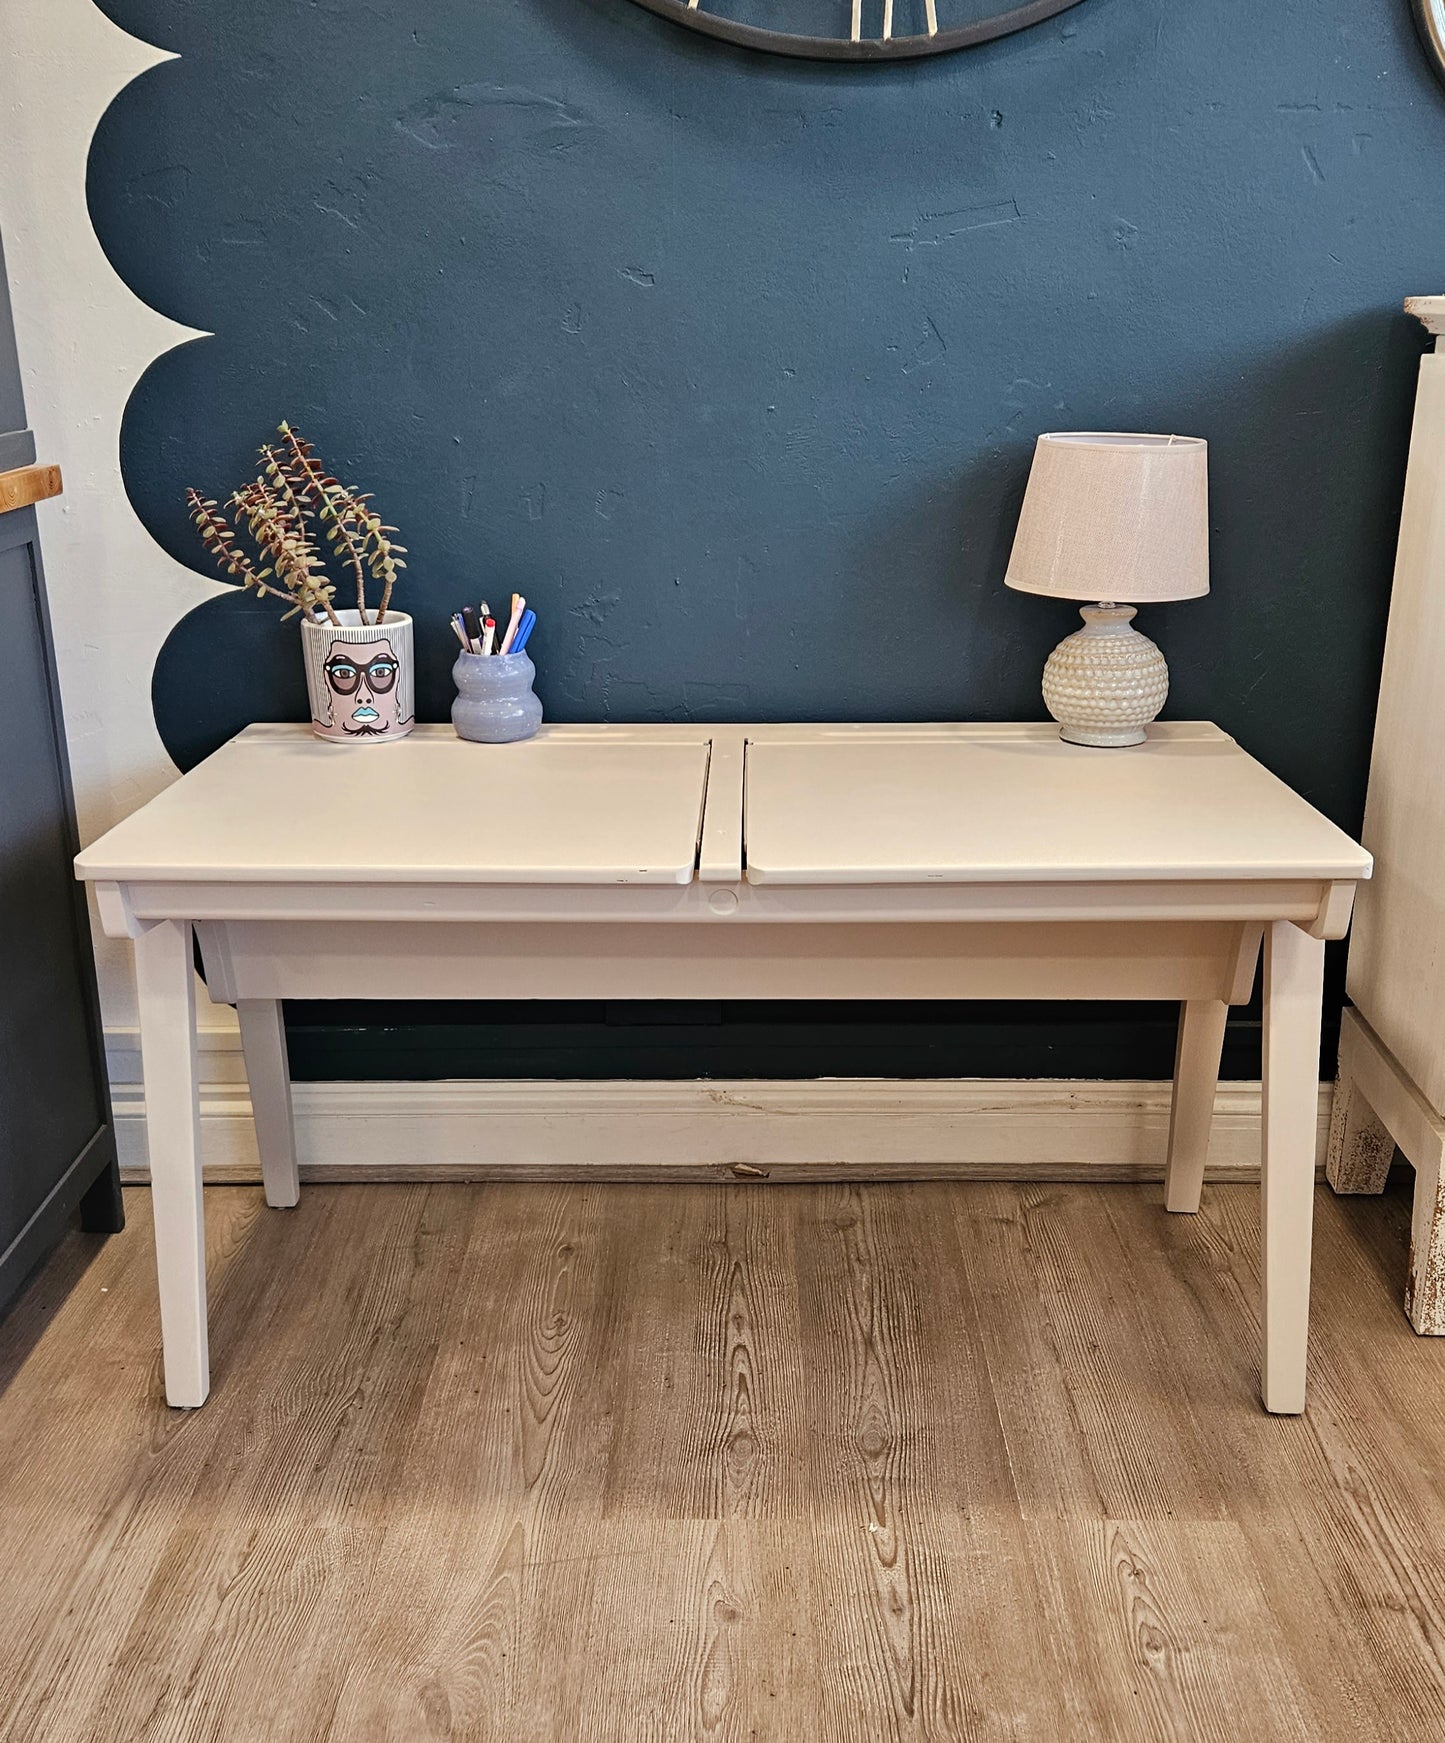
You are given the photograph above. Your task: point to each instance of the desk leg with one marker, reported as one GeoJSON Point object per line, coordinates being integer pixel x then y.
{"type": "Point", "coordinates": [165, 980]}
{"type": "Point", "coordinates": [263, 1038]}
{"type": "Point", "coordinates": [1191, 1112]}
{"type": "Point", "coordinates": [1293, 991]}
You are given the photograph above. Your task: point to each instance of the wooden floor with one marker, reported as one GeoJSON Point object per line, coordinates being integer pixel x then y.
{"type": "Point", "coordinates": [810, 1463]}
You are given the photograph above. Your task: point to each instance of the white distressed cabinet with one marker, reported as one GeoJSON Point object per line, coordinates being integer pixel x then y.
{"type": "Point", "coordinates": [1391, 1086]}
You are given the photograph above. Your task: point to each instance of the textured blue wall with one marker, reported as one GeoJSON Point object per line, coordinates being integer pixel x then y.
{"type": "Point", "coordinates": [733, 364]}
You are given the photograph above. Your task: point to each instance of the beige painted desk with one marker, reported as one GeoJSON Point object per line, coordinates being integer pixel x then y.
{"type": "Point", "coordinates": [890, 862]}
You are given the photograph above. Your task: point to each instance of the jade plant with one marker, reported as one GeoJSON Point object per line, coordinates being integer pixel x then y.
{"type": "Point", "coordinates": [293, 511]}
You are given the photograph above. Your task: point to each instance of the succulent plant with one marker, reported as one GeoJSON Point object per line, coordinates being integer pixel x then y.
{"type": "Point", "coordinates": [293, 511]}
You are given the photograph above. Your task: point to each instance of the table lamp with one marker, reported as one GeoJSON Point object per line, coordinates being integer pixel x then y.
{"type": "Point", "coordinates": [1120, 521]}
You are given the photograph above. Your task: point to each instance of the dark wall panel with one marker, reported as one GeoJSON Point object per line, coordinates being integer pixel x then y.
{"type": "Point", "coordinates": [733, 364]}
{"type": "Point", "coordinates": [57, 1146]}
{"type": "Point", "coordinates": [48, 1100]}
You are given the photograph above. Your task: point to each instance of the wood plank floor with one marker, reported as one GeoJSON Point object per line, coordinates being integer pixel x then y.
{"type": "Point", "coordinates": [808, 1463]}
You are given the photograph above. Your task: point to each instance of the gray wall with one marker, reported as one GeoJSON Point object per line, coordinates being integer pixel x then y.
{"type": "Point", "coordinates": [17, 445]}
{"type": "Point", "coordinates": [57, 1143]}
{"type": "Point", "coordinates": [733, 364]}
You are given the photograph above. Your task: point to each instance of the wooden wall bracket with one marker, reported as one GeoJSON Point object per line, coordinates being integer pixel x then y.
{"type": "Point", "coordinates": [27, 484]}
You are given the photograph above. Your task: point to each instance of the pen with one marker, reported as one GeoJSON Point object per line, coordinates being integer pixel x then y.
{"type": "Point", "coordinates": [518, 605]}
{"type": "Point", "coordinates": [524, 629]}
{"type": "Point", "coordinates": [473, 628]}
{"type": "Point", "coordinates": [490, 635]}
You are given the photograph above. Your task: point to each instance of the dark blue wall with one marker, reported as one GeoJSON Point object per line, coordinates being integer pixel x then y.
{"type": "Point", "coordinates": [733, 364]}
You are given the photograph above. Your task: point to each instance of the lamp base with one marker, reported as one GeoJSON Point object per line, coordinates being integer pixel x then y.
{"type": "Point", "coordinates": [1105, 682]}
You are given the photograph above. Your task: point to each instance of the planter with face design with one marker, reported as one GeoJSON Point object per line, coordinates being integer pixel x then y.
{"type": "Point", "coordinates": [360, 677]}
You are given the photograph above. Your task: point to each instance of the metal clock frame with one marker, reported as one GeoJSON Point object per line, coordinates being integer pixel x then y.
{"type": "Point", "coordinates": [857, 47]}
{"type": "Point", "coordinates": [1430, 22]}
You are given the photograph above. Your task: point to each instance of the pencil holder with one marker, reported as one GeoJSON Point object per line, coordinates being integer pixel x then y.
{"type": "Point", "coordinates": [495, 701]}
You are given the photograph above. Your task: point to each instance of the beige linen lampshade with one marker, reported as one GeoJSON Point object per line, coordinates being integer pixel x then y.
{"type": "Point", "coordinates": [1114, 517]}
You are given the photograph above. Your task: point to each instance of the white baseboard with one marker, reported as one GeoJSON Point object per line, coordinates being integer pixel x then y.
{"type": "Point", "coordinates": [830, 1128]}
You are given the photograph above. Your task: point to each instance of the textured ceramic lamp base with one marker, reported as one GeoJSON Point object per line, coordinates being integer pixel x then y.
{"type": "Point", "coordinates": [1106, 682]}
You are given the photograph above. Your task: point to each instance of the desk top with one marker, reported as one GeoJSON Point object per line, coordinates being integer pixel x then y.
{"type": "Point", "coordinates": [822, 805]}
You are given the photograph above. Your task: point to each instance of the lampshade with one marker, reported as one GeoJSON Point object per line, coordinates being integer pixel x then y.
{"type": "Point", "coordinates": [1115, 517]}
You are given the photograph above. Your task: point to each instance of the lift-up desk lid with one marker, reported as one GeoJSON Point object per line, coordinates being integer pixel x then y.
{"type": "Point", "coordinates": [278, 805]}
{"type": "Point", "coordinates": [1014, 804]}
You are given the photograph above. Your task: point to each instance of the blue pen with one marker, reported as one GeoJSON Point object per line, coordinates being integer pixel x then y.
{"type": "Point", "coordinates": [524, 629]}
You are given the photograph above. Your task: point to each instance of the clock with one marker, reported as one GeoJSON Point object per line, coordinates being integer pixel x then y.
{"type": "Point", "coordinates": [1430, 21]}
{"type": "Point", "coordinates": [859, 30]}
